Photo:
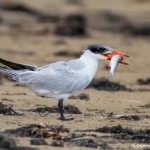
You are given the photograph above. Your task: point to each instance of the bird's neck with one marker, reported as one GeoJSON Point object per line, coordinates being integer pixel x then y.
{"type": "Point", "coordinates": [91, 64]}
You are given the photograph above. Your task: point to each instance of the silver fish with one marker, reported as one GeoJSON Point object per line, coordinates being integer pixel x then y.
{"type": "Point", "coordinates": [113, 64]}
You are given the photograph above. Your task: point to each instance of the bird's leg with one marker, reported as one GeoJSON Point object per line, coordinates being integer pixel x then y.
{"type": "Point", "coordinates": [61, 109]}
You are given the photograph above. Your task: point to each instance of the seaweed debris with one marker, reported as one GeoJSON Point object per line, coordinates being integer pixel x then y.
{"type": "Point", "coordinates": [9, 143]}
{"type": "Point", "coordinates": [144, 81]}
{"type": "Point", "coordinates": [105, 84]}
{"type": "Point", "coordinates": [69, 109]}
{"type": "Point", "coordinates": [125, 116]}
{"type": "Point", "coordinates": [124, 133]}
{"type": "Point", "coordinates": [60, 136]}
{"type": "Point", "coordinates": [8, 110]}
{"type": "Point", "coordinates": [40, 131]}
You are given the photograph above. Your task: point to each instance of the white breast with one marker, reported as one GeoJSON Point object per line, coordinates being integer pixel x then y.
{"type": "Point", "coordinates": [91, 65]}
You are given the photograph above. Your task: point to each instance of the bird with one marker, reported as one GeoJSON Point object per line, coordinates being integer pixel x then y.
{"type": "Point", "coordinates": [61, 79]}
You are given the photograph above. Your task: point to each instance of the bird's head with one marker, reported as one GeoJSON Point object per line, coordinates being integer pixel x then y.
{"type": "Point", "coordinates": [102, 52]}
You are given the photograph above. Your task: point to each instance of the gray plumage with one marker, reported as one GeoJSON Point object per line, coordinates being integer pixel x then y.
{"type": "Point", "coordinates": [60, 77]}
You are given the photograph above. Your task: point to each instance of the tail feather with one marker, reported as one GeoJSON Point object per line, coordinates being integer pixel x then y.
{"type": "Point", "coordinates": [17, 66]}
{"type": "Point", "coordinates": [9, 71]}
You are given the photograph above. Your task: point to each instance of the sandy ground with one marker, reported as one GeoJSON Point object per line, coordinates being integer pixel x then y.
{"type": "Point", "coordinates": [15, 47]}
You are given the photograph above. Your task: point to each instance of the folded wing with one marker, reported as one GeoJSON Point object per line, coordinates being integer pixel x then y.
{"type": "Point", "coordinates": [59, 77]}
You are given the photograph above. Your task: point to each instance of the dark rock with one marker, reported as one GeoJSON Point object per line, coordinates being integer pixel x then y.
{"type": "Point", "coordinates": [105, 84]}
{"type": "Point", "coordinates": [73, 25]}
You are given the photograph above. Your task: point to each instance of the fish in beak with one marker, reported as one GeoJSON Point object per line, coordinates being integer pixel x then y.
{"type": "Point", "coordinates": [115, 52]}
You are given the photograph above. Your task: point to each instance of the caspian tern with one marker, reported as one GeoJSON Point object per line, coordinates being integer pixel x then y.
{"type": "Point", "coordinates": [63, 78]}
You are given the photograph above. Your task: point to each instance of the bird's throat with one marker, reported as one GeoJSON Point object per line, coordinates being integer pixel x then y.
{"type": "Point", "coordinates": [91, 65]}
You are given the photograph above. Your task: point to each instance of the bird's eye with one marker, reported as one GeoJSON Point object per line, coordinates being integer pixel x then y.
{"type": "Point", "coordinates": [101, 49]}
{"type": "Point", "coordinates": [94, 50]}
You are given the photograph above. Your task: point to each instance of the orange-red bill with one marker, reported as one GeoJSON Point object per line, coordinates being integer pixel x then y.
{"type": "Point", "coordinates": [116, 52]}
{"type": "Point", "coordinates": [124, 63]}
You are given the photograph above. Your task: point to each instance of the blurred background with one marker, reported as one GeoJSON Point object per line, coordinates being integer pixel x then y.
{"type": "Point", "coordinates": [39, 32]}
{"type": "Point", "coordinates": [44, 31]}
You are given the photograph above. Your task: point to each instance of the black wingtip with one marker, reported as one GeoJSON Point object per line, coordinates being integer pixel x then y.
{"type": "Point", "coordinates": [16, 66]}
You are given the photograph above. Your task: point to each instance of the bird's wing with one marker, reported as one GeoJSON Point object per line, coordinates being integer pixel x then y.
{"type": "Point", "coordinates": [61, 77]}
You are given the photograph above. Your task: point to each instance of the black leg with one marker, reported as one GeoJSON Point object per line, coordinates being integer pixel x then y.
{"type": "Point", "coordinates": [61, 109]}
